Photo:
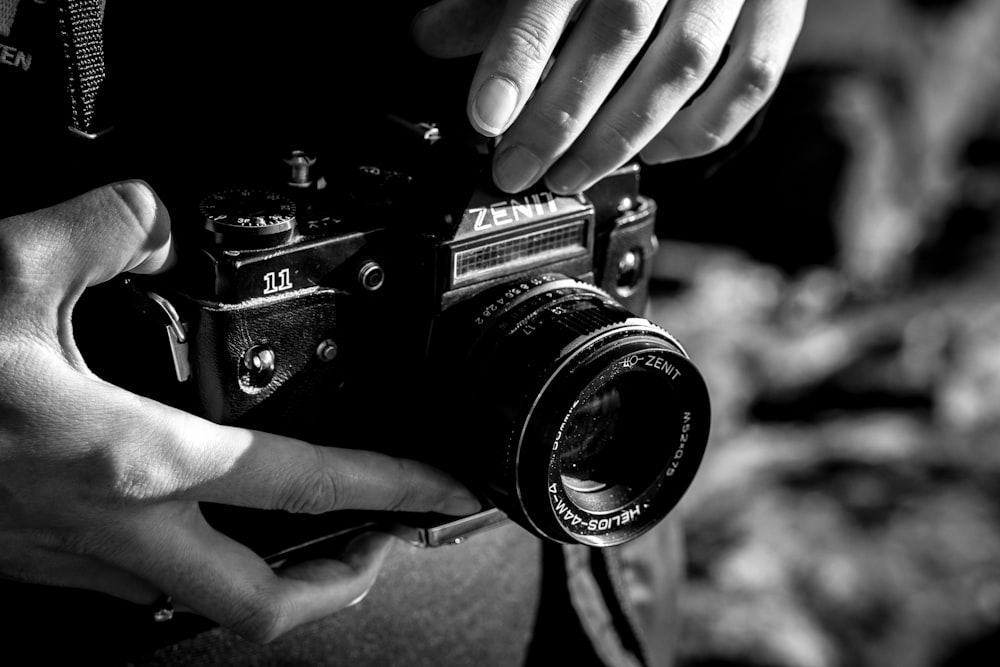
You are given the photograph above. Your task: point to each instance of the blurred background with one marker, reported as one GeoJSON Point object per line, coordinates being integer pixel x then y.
{"type": "Point", "coordinates": [838, 281]}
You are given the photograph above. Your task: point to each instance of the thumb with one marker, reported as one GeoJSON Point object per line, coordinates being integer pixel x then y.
{"type": "Point", "coordinates": [49, 257]}
{"type": "Point", "coordinates": [457, 28]}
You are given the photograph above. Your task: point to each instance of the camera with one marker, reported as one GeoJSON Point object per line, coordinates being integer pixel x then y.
{"type": "Point", "coordinates": [397, 301]}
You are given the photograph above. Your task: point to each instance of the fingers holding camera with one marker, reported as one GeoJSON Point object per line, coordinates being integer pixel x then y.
{"type": "Point", "coordinates": [50, 444]}
{"type": "Point", "coordinates": [51, 256]}
{"type": "Point", "coordinates": [572, 127]}
{"type": "Point", "coordinates": [507, 96]}
{"type": "Point", "coordinates": [168, 548]}
{"type": "Point", "coordinates": [100, 490]}
{"type": "Point", "coordinates": [514, 60]}
{"type": "Point", "coordinates": [56, 252]}
{"type": "Point", "coordinates": [760, 47]}
{"type": "Point", "coordinates": [48, 258]}
{"type": "Point", "coordinates": [247, 468]}
{"type": "Point", "coordinates": [677, 63]}
{"type": "Point", "coordinates": [177, 552]}
{"type": "Point", "coordinates": [98, 486]}
{"type": "Point", "coordinates": [605, 39]}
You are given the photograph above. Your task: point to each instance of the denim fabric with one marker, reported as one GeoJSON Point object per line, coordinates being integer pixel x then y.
{"type": "Point", "coordinates": [487, 602]}
{"type": "Point", "coordinates": [471, 604]}
{"type": "Point", "coordinates": [501, 599]}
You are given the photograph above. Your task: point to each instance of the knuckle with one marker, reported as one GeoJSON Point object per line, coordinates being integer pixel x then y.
{"type": "Point", "coordinates": [405, 489]}
{"type": "Point", "coordinates": [102, 472]}
{"type": "Point", "coordinates": [556, 122]}
{"type": "Point", "coordinates": [313, 491]}
{"type": "Point", "coordinates": [531, 40]}
{"type": "Point", "coordinates": [618, 141]}
{"type": "Point", "coordinates": [139, 204]}
{"type": "Point", "coordinates": [126, 474]}
{"type": "Point", "coordinates": [759, 77]}
{"type": "Point", "coordinates": [29, 241]}
{"type": "Point", "coordinates": [693, 53]}
{"type": "Point", "coordinates": [624, 23]}
{"type": "Point", "coordinates": [133, 483]}
{"type": "Point", "coordinates": [706, 139]}
{"type": "Point", "coordinates": [139, 481]}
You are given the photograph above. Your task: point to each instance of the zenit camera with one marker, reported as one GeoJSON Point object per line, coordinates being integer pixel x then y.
{"type": "Point", "coordinates": [401, 303]}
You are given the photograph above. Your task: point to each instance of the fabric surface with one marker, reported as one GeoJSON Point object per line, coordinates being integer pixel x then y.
{"type": "Point", "coordinates": [458, 605]}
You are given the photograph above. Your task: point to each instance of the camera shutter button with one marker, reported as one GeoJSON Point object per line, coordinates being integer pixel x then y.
{"type": "Point", "coordinates": [300, 164]}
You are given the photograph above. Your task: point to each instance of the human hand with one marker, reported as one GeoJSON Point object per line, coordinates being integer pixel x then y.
{"type": "Point", "coordinates": [99, 488]}
{"type": "Point", "coordinates": [573, 127]}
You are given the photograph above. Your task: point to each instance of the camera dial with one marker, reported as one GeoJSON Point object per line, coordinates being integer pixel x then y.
{"type": "Point", "coordinates": [248, 218]}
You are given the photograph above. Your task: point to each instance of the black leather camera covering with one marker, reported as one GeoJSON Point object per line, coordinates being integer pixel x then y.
{"type": "Point", "coordinates": [291, 327]}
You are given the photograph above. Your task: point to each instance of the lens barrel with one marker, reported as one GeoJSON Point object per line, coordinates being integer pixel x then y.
{"type": "Point", "coordinates": [589, 423]}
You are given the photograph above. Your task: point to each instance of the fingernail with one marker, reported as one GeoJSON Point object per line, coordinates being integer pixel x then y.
{"type": "Point", "coordinates": [460, 505]}
{"type": "Point", "coordinates": [494, 105]}
{"type": "Point", "coordinates": [358, 600]}
{"type": "Point", "coordinates": [568, 176]}
{"type": "Point", "coordinates": [516, 168]}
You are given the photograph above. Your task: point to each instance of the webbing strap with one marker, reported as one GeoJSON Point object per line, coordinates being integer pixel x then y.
{"type": "Point", "coordinates": [82, 27]}
{"type": "Point", "coordinates": [601, 611]}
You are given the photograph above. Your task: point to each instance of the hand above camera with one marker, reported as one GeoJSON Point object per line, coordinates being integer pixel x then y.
{"type": "Point", "coordinates": [566, 121]}
{"type": "Point", "coordinates": [99, 488]}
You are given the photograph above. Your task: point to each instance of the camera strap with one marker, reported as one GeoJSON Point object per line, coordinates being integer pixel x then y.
{"type": "Point", "coordinates": [596, 592]}
{"type": "Point", "coordinates": [81, 24]}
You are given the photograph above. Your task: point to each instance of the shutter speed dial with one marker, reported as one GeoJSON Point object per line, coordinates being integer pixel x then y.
{"type": "Point", "coordinates": [247, 218]}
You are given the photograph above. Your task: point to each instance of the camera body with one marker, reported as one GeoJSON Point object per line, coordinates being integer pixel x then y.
{"type": "Point", "coordinates": [405, 305]}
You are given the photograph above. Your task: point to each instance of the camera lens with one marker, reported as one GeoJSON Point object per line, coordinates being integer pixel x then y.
{"type": "Point", "coordinates": [589, 422]}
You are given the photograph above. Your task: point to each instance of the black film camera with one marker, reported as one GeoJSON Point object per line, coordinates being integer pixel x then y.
{"type": "Point", "coordinates": [400, 303]}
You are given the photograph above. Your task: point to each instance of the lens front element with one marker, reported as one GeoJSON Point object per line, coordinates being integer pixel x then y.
{"type": "Point", "coordinates": [609, 453]}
